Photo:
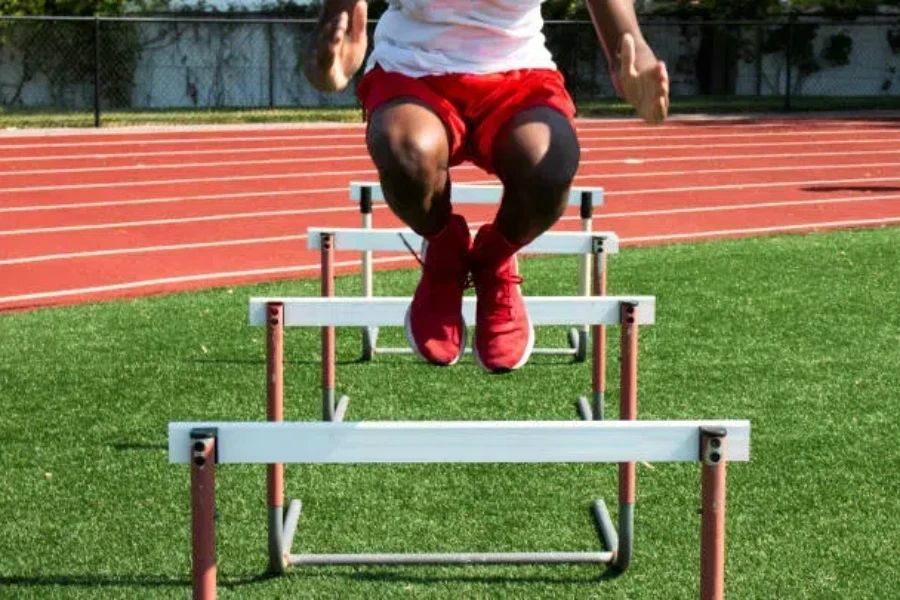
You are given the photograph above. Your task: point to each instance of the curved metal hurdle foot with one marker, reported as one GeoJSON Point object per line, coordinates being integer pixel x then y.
{"type": "Point", "coordinates": [333, 410]}
{"type": "Point", "coordinates": [621, 546]}
{"type": "Point", "coordinates": [369, 343]}
{"type": "Point", "coordinates": [282, 527]}
{"type": "Point", "coordinates": [591, 411]}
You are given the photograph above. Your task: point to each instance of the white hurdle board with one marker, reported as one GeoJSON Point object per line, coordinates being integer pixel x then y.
{"type": "Point", "coordinates": [587, 199]}
{"type": "Point", "coordinates": [392, 239]}
{"type": "Point", "coordinates": [469, 193]}
{"type": "Point", "coordinates": [460, 441]}
{"type": "Point", "coordinates": [390, 311]}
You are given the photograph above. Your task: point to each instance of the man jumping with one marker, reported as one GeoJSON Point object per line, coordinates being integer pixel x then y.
{"type": "Point", "coordinates": [455, 80]}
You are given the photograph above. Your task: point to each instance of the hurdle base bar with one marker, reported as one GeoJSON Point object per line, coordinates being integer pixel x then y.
{"type": "Point", "coordinates": [458, 558]}
{"type": "Point", "coordinates": [606, 531]}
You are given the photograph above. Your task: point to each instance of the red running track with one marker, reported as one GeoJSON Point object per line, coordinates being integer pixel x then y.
{"type": "Point", "coordinates": [93, 215]}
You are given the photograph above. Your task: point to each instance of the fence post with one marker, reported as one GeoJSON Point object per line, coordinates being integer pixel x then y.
{"type": "Point", "coordinates": [788, 54]}
{"type": "Point", "coordinates": [96, 71]}
{"type": "Point", "coordinates": [271, 40]}
{"type": "Point", "coordinates": [759, 58]}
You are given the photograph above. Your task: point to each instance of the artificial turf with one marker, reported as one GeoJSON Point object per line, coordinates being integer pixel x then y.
{"type": "Point", "coordinates": [800, 334]}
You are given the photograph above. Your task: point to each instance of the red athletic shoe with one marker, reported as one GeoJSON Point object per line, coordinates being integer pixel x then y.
{"type": "Point", "coordinates": [435, 327]}
{"type": "Point", "coordinates": [504, 335]}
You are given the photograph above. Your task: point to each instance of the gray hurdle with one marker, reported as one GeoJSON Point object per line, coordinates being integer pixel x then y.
{"type": "Point", "coordinates": [275, 442]}
{"type": "Point", "coordinates": [205, 444]}
{"type": "Point", "coordinates": [712, 443]}
{"type": "Point", "coordinates": [330, 312]}
{"type": "Point", "coordinates": [586, 198]}
{"type": "Point", "coordinates": [328, 240]}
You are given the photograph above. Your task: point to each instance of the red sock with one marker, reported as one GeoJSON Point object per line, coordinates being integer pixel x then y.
{"type": "Point", "coordinates": [491, 248]}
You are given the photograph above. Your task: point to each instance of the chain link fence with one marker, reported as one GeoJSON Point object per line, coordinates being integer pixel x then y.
{"type": "Point", "coordinates": [187, 64]}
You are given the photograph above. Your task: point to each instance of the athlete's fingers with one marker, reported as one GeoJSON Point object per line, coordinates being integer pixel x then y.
{"type": "Point", "coordinates": [358, 22]}
{"type": "Point", "coordinates": [627, 55]}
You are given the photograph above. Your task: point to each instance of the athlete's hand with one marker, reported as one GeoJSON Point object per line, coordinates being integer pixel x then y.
{"type": "Point", "coordinates": [338, 48]}
{"type": "Point", "coordinates": [643, 81]}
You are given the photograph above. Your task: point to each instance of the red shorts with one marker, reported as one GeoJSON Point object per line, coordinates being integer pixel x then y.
{"type": "Point", "coordinates": [473, 107]}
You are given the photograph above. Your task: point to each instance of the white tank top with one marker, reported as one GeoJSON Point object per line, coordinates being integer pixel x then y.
{"type": "Point", "coordinates": [432, 37]}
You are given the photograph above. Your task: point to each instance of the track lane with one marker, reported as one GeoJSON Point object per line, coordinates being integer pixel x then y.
{"type": "Point", "coordinates": [687, 197]}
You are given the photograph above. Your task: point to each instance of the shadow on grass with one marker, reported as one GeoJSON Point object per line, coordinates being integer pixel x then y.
{"type": "Point", "coordinates": [94, 581]}
{"type": "Point", "coordinates": [103, 581]}
{"type": "Point", "coordinates": [125, 446]}
{"type": "Point", "coordinates": [151, 581]}
{"type": "Point", "coordinates": [469, 577]}
{"type": "Point", "coordinates": [262, 362]}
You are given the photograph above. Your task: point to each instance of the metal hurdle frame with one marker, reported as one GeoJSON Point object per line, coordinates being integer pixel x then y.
{"type": "Point", "coordinates": [330, 312]}
{"type": "Point", "coordinates": [595, 245]}
{"type": "Point", "coordinates": [712, 443]}
{"type": "Point", "coordinates": [586, 198]}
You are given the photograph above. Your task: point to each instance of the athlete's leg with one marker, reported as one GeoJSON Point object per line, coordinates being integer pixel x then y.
{"type": "Point", "coordinates": [536, 156]}
{"type": "Point", "coordinates": [411, 149]}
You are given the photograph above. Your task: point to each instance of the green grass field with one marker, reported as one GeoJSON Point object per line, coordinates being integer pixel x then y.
{"type": "Point", "coordinates": [799, 334]}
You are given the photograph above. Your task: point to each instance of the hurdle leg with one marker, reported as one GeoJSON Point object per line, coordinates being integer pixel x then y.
{"type": "Point", "coordinates": [369, 334]}
{"type": "Point", "coordinates": [203, 514]}
{"type": "Point", "coordinates": [584, 277]}
{"type": "Point", "coordinates": [627, 412]}
{"type": "Point", "coordinates": [594, 409]}
{"type": "Point", "coordinates": [331, 410]}
{"type": "Point", "coordinates": [712, 526]}
{"type": "Point", "coordinates": [275, 412]}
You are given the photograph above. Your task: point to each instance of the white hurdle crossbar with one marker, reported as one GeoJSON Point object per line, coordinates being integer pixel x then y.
{"type": "Point", "coordinates": [331, 311]}
{"type": "Point", "coordinates": [596, 244]}
{"type": "Point", "coordinates": [586, 198]}
{"type": "Point", "coordinates": [628, 312]}
{"type": "Point", "coordinates": [712, 443]}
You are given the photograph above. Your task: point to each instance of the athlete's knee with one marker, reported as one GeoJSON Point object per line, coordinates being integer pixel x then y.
{"type": "Point", "coordinates": [409, 149]}
{"type": "Point", "coordinates": [540, 153]}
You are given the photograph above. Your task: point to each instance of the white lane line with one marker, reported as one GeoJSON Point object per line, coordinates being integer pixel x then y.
{"type": "Point", "coordinates": [129, 285]}
{"type": "Point", "coordinates": [115, 184]}
{"type": "Point", "coordinates": [250, 215]}
{"type": "Point", "coordinates": [179, 166]}
{"type": "Point", "coordinates": [603, 216]}
{"type": "Point", "coordinates": [730, 186]}
{"type": "Point", "coordinates": [174, 153]}
{"type": "Point", "coordinates": [765, 169]}
{"type": "Point", "coordinates": [373, 173]}
{"type": "Point", "coordinates": [304, 191]}
{"type": "Point", "coordinates": [157, 141]}
{"type": "Point", "coordinates": [744, 186]}
{"type": "Point", "coordinates": [149, 249]}
{"type": "Point", "coordinates": [167, 222]}
{"type": "Point", "coordinates": [354, 263]}
{"type": "Point", "coordinates": [706, 157]}
{"type": "Point", "coordinates": [170, 199]}
{"type": "Point", "coordinates": [702, 146]}
{"type": "Point", "coordinates": [323, 148]}
{"type": "Point", "coordinates": [695, 135]}
{"type": "Point", "coordinates": [285, 161]}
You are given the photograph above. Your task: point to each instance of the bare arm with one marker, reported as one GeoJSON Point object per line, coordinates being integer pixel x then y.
{"type": "Point", "coordinates": [639, 77]}
{"type": "Point", "coordinates": [337, 48]}
{"type": "Point", "coordinates": [612, 19]}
